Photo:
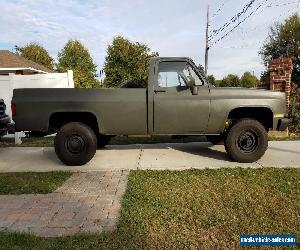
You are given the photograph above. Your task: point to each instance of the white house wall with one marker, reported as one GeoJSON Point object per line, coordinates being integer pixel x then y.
{"type": "Point", "coordinates": [5, 91]}
{"type": "Point", "coordinates": [51, 80]}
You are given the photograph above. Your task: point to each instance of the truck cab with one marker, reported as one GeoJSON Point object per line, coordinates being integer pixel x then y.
{"type": "Point", "coordinates": [177, 92]}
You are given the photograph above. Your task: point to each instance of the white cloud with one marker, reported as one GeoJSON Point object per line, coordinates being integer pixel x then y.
{"type": "Point", "coordinates": [172, 28]}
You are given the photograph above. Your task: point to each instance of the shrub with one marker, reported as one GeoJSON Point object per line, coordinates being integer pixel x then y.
{"type": "Point", "coordinates": [295, 110]}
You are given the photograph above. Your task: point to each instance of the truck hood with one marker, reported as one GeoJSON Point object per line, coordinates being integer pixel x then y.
{"type": "Point", "coordinates": [247, 93]}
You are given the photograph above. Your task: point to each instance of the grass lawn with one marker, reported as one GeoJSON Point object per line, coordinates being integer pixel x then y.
{"type": "Point", "coordinates": [28, 142]}
{"type": "Point", "coordinates": [193, 209]}
{"type": "Point", "coordinates": [31, 183]}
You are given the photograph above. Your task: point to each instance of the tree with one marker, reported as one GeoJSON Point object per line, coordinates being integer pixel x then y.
{"type": "Point", "coordinates": [249, 81]}
{"type": "Point", "coordinates": [201, 68]}
{"type": "Point", "coordinates": [265, 77]}
{"type": "Point", "coordinates": [211, 79]}
{"type": "Point", "coordinates": [126, 63]}
{"type": "Point", "coordinates": [74, 56]}
{"type": "Point", "coordinates": [295, 111]}
{"type": "Point", "coordinates": [284, 40]}
{"type": "Point", "coordinates": [230, 81]}
{"type": "Point", "coordinates": [36, 53]}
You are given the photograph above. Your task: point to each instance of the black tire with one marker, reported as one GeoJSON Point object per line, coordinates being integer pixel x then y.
{"type": "Point", "coordinates": [102, 141]}
{"type": "Point", "coordinates": [215, 139]}
{"type": "Point", "coordinates": [247, 141]}
{"type": "Point", "coordinates": [75, 144]}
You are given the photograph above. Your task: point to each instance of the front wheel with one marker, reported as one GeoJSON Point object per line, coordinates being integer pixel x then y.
{"type": "Point", "coordinates": [247, 141]}
{"type": "Point", "coordinates": [75, 144]}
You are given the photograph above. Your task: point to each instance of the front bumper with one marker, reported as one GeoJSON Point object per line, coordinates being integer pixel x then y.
{"type": "Point", "coordinates": [283, 123]}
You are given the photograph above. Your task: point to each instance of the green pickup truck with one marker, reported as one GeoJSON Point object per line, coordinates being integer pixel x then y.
{"type": "Point", "coordinates": [178, 101]}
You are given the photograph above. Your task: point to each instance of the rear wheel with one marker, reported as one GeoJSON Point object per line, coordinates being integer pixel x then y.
{"type": "Point", "coordinates": [75, 144]}
{"type": "Point", "coordinates": [247, 141]}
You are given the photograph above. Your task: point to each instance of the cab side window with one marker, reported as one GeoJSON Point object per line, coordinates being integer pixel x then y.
{"type": "Point", "coordinates": [174, 74]}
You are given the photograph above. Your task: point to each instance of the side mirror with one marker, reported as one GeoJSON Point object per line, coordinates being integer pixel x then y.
{"type": "Point", "coordinates": [194, 90]}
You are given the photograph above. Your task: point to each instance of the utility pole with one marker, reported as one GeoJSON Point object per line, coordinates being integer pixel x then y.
{"type": "Point", "coordinates": [206, 45]}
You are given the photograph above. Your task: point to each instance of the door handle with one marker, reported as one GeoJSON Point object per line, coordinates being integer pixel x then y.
{"type": "Point", "coordinates": [159, 91]}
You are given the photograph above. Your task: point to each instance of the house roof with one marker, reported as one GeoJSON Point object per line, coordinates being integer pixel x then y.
{"type": "Point", "coordinates": [11, 60]}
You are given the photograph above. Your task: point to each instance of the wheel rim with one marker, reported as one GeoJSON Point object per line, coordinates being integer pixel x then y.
{"type": "Point", "coordinates": [247, 141]}
{"type": "Point", "coordinates": [75, 144]}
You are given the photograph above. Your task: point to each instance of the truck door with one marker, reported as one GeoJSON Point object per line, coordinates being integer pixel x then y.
{"type": "Point", "coordinates": [176, 109]}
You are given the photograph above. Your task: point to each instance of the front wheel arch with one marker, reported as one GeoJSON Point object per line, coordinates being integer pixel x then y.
{"type": "Point", "coordinates": [262, 114]}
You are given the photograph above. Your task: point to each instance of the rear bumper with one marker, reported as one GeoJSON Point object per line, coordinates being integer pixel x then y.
{"type": "Point", "coordinates": [6, 126]}
{"type": "Point", "coordinates": [283, 123]}
{"type": "Point", "coordinates": [4, 120]}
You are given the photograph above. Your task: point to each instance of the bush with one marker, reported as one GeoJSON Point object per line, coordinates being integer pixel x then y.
{"type": "Point", "coordinates": [295, 111]}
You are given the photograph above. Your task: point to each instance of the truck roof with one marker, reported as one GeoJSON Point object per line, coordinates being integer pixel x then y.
{"type": "Point", "coordinates": [171, 59]}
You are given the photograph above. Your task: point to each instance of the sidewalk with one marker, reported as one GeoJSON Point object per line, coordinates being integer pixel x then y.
{"type": "Point", "coordinates": [87, 202]}
{"type": "Point", "coordinates": [151, 156]}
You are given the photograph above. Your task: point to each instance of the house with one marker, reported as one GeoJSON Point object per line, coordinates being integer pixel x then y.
{"type": "Point", "coordinates": [18, 72]}
{"type": "Point", "coordinates": [12, 63]}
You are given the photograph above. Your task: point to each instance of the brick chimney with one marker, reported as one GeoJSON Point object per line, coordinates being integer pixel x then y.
{"type": "Point", "coordinates": [280, 76]}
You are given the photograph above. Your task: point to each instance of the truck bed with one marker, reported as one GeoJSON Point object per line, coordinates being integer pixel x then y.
{"type": "Point", "coordinates": [118, 111]}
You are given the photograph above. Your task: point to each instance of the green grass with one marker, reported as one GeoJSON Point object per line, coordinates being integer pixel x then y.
{"type": "Point", "coordinates": [31, 183]}
{"type": "Point", "coordinates": [194, 209]}
{"type": "Point", "coordinates": [28, 142]}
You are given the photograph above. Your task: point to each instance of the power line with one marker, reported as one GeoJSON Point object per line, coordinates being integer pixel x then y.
{"type": "Point", "coordinates": [236, 26]}
{"type": "Point", "coordinates": [233, 19]}
{"type": "Point", "coordinates": [219, 9]}
{"type": "Point", "coordinates": [262, 25]}
{"type": "Point", "coordinates": [286, 13]}
{"type": "Point", "coordinates": [237, 18]}
{"type": "Point", "coordinates": [280, 5]}
{"type": "Point", "coordinates": [268, 6]}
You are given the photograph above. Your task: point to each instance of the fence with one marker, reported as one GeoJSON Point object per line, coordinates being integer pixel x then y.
{"type": "Point", "coordinates": [51, 80]}
{"type": "Point", "coordinates": [12, 81]}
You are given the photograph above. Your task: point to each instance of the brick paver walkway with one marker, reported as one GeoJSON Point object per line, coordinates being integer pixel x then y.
{"type": "Point", "coordinates": [87, 202]}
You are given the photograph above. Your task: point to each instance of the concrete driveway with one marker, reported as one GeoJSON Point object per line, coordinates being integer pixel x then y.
{"type": "Point", "coordinates": [155, 156]}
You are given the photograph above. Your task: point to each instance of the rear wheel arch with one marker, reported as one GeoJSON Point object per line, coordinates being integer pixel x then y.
{"type": "Point", "coordinates": [59, 119]}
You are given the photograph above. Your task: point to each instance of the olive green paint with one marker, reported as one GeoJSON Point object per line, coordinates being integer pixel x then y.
{"type": "Point", "coordinates": [154, 110]}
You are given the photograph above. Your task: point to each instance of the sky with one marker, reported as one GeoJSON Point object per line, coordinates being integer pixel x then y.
{"type": "Point", "coordinates": [169, 27]}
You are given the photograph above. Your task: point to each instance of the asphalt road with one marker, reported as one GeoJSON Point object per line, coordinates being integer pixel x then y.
{"type": "Point", "coordinates": [155, 156]}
